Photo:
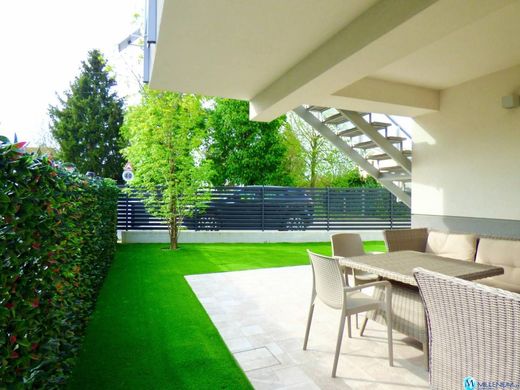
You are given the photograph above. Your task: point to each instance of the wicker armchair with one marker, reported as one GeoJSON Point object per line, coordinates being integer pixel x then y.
{"type": "Point", "coordinates": [473, 330]}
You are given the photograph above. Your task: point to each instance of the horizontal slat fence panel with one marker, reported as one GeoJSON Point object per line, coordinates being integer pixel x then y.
{"type": "Point", "coordinates": [280, 208]}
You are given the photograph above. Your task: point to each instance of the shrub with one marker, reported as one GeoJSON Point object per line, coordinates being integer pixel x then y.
{"type": "Point", "coordinates": [57, 240]}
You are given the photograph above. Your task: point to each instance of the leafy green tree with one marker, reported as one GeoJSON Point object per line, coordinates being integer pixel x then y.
{"type": "Point", "coordinates": [87, 120]}
{"type": "Point", "coordinates": [325, 165]}
{"type": "Point", "coordinates": [295, 158]}
{"type": "Point", "coordinates": [348, 179]}
{"type": "Point", "coordinates": [165, 135]}
{"type": "Point", "coordinates": [314, 146]}
{"type": "Point", "coordinates": [246, 152]}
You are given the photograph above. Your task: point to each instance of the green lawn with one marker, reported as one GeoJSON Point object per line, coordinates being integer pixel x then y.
{"type": "Point", "coordinates": [149, 331]}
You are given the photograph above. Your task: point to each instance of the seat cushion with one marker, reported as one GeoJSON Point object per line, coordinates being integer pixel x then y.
{"type": "Point", "coordinates": [505, 254]}
{"type": "Point", "coordinates": [456, 246]}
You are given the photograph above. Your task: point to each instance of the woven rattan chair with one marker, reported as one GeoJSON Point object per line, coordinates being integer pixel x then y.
{"type": "Point", "coordinates": [330, 287]}
{"type": "Point", "coordinates": [406, 239]}
{"type": "Point", "coordinates": [473, 331]}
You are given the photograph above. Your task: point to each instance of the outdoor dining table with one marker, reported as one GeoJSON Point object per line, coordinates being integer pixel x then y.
{"type": "Point", "coordinates": [407, 308]}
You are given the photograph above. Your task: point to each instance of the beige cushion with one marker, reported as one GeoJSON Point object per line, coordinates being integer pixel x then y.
{"type": "Point", "coordinates": [456, 246]}
{"type": "Point", "coordinates": [505, 254]}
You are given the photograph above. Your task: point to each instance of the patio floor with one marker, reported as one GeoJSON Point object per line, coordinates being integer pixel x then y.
{"type": "Point", "coordinates": [261, 316]}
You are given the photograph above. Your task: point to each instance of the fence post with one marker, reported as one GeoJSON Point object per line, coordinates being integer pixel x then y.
{"type": "Point", "coordinates": [126, 210]}
{"type": "Point", "coordinates": [391, 211]}
{"type": "Point", "coordinates": [328, 208]}
{"type": "Point", "coordinates": [263, 206]}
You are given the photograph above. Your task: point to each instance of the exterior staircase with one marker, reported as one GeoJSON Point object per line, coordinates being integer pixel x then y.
{"type": "Point", "coordinates": [380, 148]}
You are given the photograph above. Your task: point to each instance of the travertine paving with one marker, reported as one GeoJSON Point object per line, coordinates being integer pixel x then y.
{"type": "Point", "coordinates": [261, 315]}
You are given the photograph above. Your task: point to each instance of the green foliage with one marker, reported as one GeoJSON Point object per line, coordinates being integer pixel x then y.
{"type": "Point", "coordinates": [245, 152]}
{"type": "Point", "coordinates": [57, 239]}
{"type": "Point", "coordinates": [347, 179]}
{"type": "Point", "coordinates": [87, 120]}
{"type": "Point", "coordinates": [295, 158]}
{"type": "Point", "coordinates": [165, 135]}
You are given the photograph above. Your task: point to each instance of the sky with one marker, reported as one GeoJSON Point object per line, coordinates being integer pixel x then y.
{"type": "Point", "coordinates": [42, 46]}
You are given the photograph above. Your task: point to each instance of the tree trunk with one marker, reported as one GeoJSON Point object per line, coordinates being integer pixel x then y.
{"type": "Point", "coordinates": [174, 234]}
{"type": "Point", "coordinates": [314, 144]}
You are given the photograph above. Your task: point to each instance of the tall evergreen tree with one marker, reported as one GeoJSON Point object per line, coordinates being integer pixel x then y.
{"type": "Point", "coordinates": [87, 119]}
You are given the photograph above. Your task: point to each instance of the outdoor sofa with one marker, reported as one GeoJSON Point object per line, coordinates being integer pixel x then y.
{"type": "Point", "coordinates": [501, 252]}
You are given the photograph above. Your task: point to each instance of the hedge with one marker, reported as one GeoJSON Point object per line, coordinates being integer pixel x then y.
{"type": "Point", "coordinates": [57, 240]}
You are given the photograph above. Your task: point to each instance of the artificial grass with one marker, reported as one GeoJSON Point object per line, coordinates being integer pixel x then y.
{"type": "Point", "coordinates": [149, 331]}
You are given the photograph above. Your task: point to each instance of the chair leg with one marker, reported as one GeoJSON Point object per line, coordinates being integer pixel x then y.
{"type": "Point", "coordinates": [357, 321]}
{"type": "Point", "coordinates": [349, 328]}
{"type": "Point", "coordinates": [309, 320]}
{"type": "Point", "coordinates": [338, 343]}
{"type": "Point", "coordinates": [363, 326]}
{"type": "Point", "coordinates": [426, 353]}
{"type": "Point", "coordinates": [389, 335]}
{"type": "Point", "coordinates": [388, 310]}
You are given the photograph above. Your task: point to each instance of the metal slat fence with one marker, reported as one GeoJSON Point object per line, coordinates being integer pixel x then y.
{"type": "Point", "coordinates": [280, 208]}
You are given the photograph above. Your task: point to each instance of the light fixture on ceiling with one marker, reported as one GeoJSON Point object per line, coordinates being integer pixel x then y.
{"type": "Point", "coordinates": [511, 101]}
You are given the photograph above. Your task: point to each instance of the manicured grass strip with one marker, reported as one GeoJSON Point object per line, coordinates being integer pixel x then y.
{"type": "Point", "coordinates": [149, 331]}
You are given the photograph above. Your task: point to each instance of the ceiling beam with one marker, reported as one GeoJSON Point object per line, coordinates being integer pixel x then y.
{"type": "Point", "coordinates": [387, 32]}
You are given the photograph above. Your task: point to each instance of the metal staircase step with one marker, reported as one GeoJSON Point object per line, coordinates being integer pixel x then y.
{"type": "Point", "coordinates": [352, 132]}
{"type": "Point", "coordinates": [380, 125]}
{"type": "Point", "coordinates": [384, 156]}
{"type": "Point", "coordinates": [372, 144]}
{"type": "Point", "coordinates": [394, 169]}
{"type": "Point", "coordinates": [318, 108]}
{"type": "Point", "coordinates": [394, 177]}
{"type": "Point", "coordinates": [335, 119]}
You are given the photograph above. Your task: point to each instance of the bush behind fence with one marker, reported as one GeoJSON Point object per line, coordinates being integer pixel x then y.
{"type": "Point", "coordinates": [57, 240]}
{"type": "Point", "coordinates": [279, 208]}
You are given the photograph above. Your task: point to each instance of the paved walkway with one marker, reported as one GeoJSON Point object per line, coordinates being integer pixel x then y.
{"type": "Point", "coordinates": [261, 315]}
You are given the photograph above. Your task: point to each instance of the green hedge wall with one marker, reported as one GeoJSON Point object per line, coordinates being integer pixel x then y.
{"type": "Point", "coordinates": [57, 240]}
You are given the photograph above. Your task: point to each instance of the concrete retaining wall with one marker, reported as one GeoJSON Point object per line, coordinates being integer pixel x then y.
{"type": "Point", "coordinates": [187, 236]}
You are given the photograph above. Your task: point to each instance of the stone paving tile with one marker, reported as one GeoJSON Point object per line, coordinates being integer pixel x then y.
{"type": "Point", "coordinates": [255, 359]}
{"type": "Point", "coordinates": [261, 315]}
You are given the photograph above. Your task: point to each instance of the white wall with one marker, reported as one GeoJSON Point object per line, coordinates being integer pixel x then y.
{"type": "Point", "coordinates": [466, 157]}
{"type": "Point", "coordinates": [232, 236]}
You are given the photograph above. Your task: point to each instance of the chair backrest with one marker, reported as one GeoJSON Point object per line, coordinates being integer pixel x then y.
{"type": "Point", "coordinates": [473, 332]}
{"type": "Point", "coordinates": [347, 244]}
{"type": "Point", "coordinates": [406, 239]}
{"type": "Point", "coordinates": [328, 282]}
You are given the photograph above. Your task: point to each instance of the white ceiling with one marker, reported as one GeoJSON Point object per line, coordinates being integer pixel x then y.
{"type": "Point", "coordinates": [235, 48]}
{"type": "Point", "coordinates": [485, 46]}
{"type": "Point", "coordinates": [282, 53]}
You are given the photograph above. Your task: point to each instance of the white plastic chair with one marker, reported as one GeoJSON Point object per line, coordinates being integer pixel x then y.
{"type": "Point", "coordinates": [348, 245]}
{"type": "Point", "coordinates": [330, 287]}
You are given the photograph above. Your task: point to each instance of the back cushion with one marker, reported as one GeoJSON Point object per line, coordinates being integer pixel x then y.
{"type": "Point", "coordinates": [505, 254]}
{"type": "Point", "coordinates": [456, 246]}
